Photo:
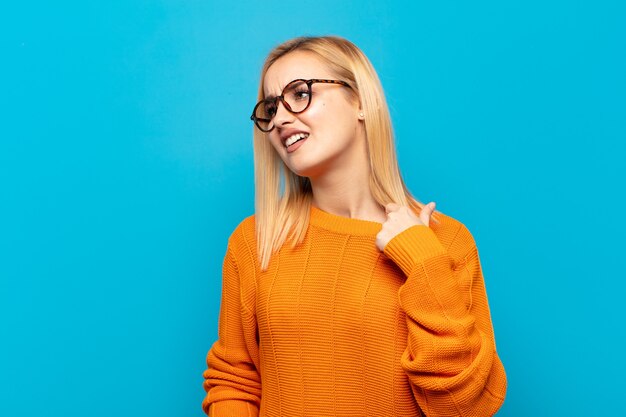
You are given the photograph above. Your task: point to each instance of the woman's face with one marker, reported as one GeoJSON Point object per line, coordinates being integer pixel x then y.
{"type": "Point", "coordinates": [331, 125]}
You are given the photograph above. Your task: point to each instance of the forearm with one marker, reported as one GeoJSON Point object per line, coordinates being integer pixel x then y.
{"type": "Point", "coordinates": [450, 358]}
{"type": "Point", "coordinates": [231, 381]}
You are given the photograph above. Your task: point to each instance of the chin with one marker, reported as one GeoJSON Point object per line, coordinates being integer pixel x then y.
{"type": "Point", "coordinates": [311, 167]}
{"type": "Point", "coordinates": [301, 172]}
{"type": "Point", "coordinates": [300, 168]}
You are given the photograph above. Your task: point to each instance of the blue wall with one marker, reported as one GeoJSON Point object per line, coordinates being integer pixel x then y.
{"type": "Point", "coordinates": [126, 161]}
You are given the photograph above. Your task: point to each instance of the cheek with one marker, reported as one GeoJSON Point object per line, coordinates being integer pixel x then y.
{"type": "Point", "coordinates": [274, 139]}
{"type": "Point", "coordinates": [317, 117]}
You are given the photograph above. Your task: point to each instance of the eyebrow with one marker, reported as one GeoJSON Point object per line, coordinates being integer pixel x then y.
{"type": "Point", "coordinates": [272, 97]}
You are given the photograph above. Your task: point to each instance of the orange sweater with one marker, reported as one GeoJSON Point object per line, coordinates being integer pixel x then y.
{"type": "Point", "coordinates": [334, 327]}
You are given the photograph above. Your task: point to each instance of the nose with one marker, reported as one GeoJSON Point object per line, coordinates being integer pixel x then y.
{"type": "Point", "coordinates": [282, 116]}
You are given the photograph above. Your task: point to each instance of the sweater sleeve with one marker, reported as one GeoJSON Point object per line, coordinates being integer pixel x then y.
{"type": "Point", "coordinates": [232, 381]}
{"type": "Point", "coordinates": [451, 358]}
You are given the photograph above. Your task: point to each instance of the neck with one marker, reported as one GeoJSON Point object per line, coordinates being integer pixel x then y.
{"type": "Point", "coordinates": [346, 192]}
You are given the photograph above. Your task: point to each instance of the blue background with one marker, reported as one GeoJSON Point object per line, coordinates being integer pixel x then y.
{"type": "Point", "coordinates": [126, 161]}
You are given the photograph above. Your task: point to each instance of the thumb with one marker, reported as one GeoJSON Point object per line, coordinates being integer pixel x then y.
{"type": "Point", "coordinates": [426, 212]}
{"type": "Point", "coordinates": [391, 207]}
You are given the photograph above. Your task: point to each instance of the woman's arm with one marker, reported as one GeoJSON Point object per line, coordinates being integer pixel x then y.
{"type": "Point", "coordinates": [451, 358]}
{"type": "Point", "coordinates": [232, 381]}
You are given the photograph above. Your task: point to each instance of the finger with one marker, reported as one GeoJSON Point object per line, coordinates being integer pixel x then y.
{"type": "Point", "coordinates": [426, 212]}
{"type": "Point", "coordinates": [391, 207]}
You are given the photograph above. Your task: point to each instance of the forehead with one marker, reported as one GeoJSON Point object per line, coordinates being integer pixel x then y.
{"type": "Point", "coordinates": [293, 66]}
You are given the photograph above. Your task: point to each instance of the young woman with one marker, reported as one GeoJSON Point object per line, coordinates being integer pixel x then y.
{"type": "Point", "coordinates": [344, 295]}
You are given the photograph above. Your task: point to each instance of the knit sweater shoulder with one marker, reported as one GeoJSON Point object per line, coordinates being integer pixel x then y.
{"type": "Point", "coordinates": [335, 327]}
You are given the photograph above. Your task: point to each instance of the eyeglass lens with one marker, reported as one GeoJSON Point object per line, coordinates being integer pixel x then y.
{"type": "Point", "coordinates": [295, 97]}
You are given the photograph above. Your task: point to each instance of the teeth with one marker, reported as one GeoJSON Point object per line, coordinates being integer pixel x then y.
{"type": "Point", "coordinates": [294, 138]}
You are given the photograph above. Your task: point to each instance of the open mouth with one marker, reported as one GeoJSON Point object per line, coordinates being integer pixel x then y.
{"type": "Point", "coordinates": [297, 137]}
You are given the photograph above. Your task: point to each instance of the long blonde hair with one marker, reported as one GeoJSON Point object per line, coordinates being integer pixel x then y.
{"type": "Point", "coordinates": [282, 198]}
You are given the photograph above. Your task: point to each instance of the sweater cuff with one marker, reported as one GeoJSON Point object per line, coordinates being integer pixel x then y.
{"type": "Point", "coordinates": [412, 246]}
{"type": "Point", "coordinates": [231, 408]}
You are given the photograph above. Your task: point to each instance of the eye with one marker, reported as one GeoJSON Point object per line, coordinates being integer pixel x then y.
{"type": "Point", "coordinates": [269, 108]}
{"type": "Point", "coordinates": [296, 91]}
{"type": "Point", "coordinates": [301, 93]}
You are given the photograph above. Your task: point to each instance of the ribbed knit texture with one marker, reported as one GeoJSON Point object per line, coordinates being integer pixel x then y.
{"type": "Point", "coordinates": [336, 328]}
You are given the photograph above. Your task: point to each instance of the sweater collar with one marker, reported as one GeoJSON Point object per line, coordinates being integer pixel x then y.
{"type": "Point", "coordinates": [343, 225]}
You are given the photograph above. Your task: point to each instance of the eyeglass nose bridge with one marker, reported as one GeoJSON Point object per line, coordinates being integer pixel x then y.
{"type": "Point", "coordinates": [277, 99]}
{"type": "Point", "coordinates": [281, 99]}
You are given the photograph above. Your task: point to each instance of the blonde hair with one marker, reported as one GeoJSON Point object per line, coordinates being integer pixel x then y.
{"type": "Point", "coordinates": [282, 198]}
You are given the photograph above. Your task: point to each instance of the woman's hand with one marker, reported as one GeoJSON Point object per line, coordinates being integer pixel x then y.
{"type": "Point", "coordinates": [400, 218]}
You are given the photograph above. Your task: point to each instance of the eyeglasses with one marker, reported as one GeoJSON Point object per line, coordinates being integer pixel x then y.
{"type": "Point", "coordinates": [296, 97]}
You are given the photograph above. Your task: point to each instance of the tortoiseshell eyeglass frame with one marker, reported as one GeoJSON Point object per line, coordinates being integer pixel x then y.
{"type": "Point", "coordinates": [257, 120]}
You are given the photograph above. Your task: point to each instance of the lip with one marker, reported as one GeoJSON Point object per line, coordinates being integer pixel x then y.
{"type": "Point", "coordinates": [285, 134]}
{"type": "Point", "coordinates": [295, 146]}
